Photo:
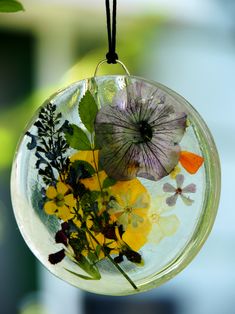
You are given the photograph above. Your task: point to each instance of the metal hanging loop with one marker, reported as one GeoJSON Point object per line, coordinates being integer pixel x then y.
{"type": "Point", "coordinates": [106, 61]}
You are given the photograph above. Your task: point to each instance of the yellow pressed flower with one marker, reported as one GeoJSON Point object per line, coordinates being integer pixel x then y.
{"type": "Point", "coordinates": [77, 222]}
{"type": "Point", "coordinates": [96, 181]}
{"type": "Point", "coordinates": [73, 235]}
{"type": "Point", "coordinates": [89, 222]}
{"type": "Point", "coordinates": [87, 155]}
{"type": "Point", "coordinates": [129, 208]}
{"type": "Point", "coordinates": [131, 203]}
{"type": "Point", "coordinates": [98, 239]}
{"type": "Point", "coordinates": [162, 225]}
{"type": "Point", "coordinates": [136, 238]}
{"type": "Point", "coordinates": [61, 202]}
{"type": "Point", "coordinates": [188, 123]}
{"type": "Point", "coordinates": [175, 171]}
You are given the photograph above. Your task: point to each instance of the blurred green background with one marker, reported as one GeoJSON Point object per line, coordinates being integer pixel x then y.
{"type": "Point", "coordinates": [186, 45]}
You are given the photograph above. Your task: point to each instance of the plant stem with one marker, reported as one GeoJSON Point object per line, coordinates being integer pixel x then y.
{"type": "Point", "coordinates": [122, 272]}
{"type": "Point", "coordinates": [97, 171]}
{"type": "Point", "coordinates": [113, 262]}
{"type": "Point", "coordinates": [107, 255]}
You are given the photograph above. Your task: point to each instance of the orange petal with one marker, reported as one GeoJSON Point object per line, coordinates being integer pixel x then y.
{"type": "Point", "coordinates": [190, 161]}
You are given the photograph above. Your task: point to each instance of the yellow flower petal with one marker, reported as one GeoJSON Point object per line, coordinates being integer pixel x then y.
{"type": "Point", "coordinates": [70, 200]}
{"type": "Point", "coordinates": [99, 240]}
{"type": "Point", "coordinates": [50, 207]}
{"type": "Point", "coordinates": [175, 171]}
{"type": "Point", "coordinates": [113, 218]}
{"type": "Point", "coordinates": [88, 156]}
{"type": "Point", "coordinates": [51, 192]}
{"type": "Point", "coordinates": [169, 225]}
{"type": "Point", "coordinates": [141, 212]}
{"type": "Point", "coordinates": [134, 240]}
{"type": "Point", "coordinates": [114, 246]}
{"type": "Point", "coordinates": [89, 222]}
{"type": "Point", "coordinates": [131, 204]}
{"type": "Point", "coordinates": [158, 207]}
{"type": "Point", "coordinates": [77, 223]}
{"type": "Point", "coordinates": [135, 190]}
{"type": "Point", "coordinates": [95, 181]}
{"type": "Point", "coordinates": [61, 188]}
{"type": "Point", "coordinates": [73, 235]}
{"type": "Point", "coordinates": [166, 227]}
{"type": "Point", "coordinates": [85, 252]}
{"type": "Point", "coordinates": [101, 255]}
{"type": "Point", "coordinates": [156, 234]}
{"type": "Point", "coordinates": [137, 237]}
{"type": "Point", "coordinates": [64, 213]}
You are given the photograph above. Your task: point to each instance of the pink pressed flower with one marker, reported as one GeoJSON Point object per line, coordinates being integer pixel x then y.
{"type": "Point", "coordinates": [179, 191]}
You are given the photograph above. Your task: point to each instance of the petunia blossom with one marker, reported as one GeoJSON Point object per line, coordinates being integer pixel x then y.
{"type": "Point", "coordinates": [139, 134]}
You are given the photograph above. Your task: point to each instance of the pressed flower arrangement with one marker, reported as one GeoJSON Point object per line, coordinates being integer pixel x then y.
{"type": "Point", "coordinates": [116, 181]}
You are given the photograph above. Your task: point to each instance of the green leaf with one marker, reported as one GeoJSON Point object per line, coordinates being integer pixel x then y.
{"type": "Point", "coordinates": [89, 268]}
{"type": "Point", "coordinates": [92, 257]}
{"type": "Point", "coordinates": [77, 138]}
{"type": "Point", "coordinates": [83, 276]}
{"type": "Point", "coordinates": [10, 6]}
{"type": "Point", "coordinates": [89, 201]}
{"type": "Point", "coordinates": [83, 169]}
{"type": "Point", "coordinates": [108, 182]}
{"type": "Point", "coordinates": [88, 110]}
{"type": "Point", "coordinates": [98, 249]}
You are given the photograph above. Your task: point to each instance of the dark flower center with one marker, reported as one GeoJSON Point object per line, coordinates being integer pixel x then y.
{"type": "Point", "coordinates": [178, 191]}
{"type": "Point", "coordinates": [128, 209]}
{"type": "Point", "coordinates": [146, 132]}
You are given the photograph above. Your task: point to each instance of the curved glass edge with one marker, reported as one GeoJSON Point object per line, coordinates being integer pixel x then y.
{"type": "Point", "coordinates": [211, 201]}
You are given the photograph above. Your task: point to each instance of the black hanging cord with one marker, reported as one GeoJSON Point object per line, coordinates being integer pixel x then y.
{"type": "Point", "coordinates": [111, 55]}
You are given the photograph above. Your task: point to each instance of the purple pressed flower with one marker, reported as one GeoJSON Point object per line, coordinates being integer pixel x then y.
{"type": "Point", "coordinates": [65, 226]}
{"type": "Point", "coordinates": [61, 237]}
{"type": "Point", "coordinates": [139, 134]}
{"type": "Point", "coordinates": [179, 191]}
{"type": "Point", "coordinates": [56, 257]}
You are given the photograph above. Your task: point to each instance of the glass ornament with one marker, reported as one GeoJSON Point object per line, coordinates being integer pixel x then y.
{"type": "Point", "coordinates": [115, 184]}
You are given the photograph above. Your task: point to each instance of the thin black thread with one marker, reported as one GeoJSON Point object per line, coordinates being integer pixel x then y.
{"type": "Point", "coordinates": [111, 55]}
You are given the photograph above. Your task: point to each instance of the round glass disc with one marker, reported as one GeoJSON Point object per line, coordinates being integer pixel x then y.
{"type": "Point", "coordinates": [115, 184]}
